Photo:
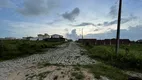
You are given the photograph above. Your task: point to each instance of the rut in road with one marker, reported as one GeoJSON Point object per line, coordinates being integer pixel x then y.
{"type": "Point", "coordinates": [66, 54]}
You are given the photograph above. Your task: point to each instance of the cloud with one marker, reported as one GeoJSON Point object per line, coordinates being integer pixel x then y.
{"type": "Point", "coordinates": [6, 4]}
{"type": "Point", "coordinates": [73, 35]}
{"type": "Point", "coordinates": [37, 7]}
{"type": "Point", "coordinates": [54, 21]}
{"type": "Point", "coordinates": [85, 24]}
{"type": "Point", "coordinates": [123, 20]}
{"type": "Point", "coordinates": [20, 29]}
{"type": "Point", "coordinates": [71, 15]}
{"type": "Point", "coordinates": [107, 23]}
{"type": "Point", "coordinates": [133, 33]}
{"type": "Point", "coordinates": [113, 11]}
{"type": "Point", "coordinates": [96, 29]}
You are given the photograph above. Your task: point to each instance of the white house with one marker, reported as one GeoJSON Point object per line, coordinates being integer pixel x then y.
{"type": "Point", "coordinates": [34, 39]}
{"type": "Point", "coordinates": [56, 36]}
{"type": "Point", "coordinates": [46, 36]}
{"type": "Point", "coordinates": [41, 36]}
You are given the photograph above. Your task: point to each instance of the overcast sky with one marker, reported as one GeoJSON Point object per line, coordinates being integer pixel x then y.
{"type": "Point", "coordinates": [98, 18]}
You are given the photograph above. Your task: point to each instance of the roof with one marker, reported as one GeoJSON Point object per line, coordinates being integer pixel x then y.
{"type": "Point", "coordinates": [56, 35]}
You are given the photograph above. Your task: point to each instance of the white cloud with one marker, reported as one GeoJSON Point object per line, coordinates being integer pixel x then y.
{"type": "Point", "coordinates": [73, 35]}
{"type": "Point", "coordinates": [132, 33]}
{"type": "Point", "coordinates": [32, 29]}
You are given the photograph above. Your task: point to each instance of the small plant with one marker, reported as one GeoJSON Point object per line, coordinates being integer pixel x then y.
{"type": "Point", "coordinates": [43, 75]}
{"type": "Point", "coordinates": [78, 75]}
{"type": "Point", "coordinates": [97, 76]}
{"type": "Point", "coordinates": [76, 68]}
{"type": "Point", "coordinates": [55, 78]}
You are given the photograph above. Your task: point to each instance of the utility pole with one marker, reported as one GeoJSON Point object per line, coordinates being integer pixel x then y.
{"type": "Point", "coordinates": [82, 36]}
{"type": "Point", "coordinates": [82, 33]}
{"type": "Point", "coordinates": [118, 27]}
{"type": "Point", "coordinates": [1, 48]}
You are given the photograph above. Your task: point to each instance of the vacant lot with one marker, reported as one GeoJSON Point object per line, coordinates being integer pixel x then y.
{"type": "Point", "coordinates": [66, 62]}
{"type": "Point", "coordinates": [129, 57]}
{"type": "Point", "coordinates": [67, 54]}
{"type": "Point", "coordinates": [10, 49]}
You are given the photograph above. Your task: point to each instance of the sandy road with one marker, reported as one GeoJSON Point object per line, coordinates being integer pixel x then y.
{"type": "Point", "coordinates": [66, 54]}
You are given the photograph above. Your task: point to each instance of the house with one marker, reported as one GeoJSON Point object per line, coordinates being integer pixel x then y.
{"type": "Point", "coordinates": [139, 41]}
{"type": "Point", "coordinates": [107, 41]}
{"type": "Point", "coordinates": [27, 38]}
{"type": "Point", "coordinates": [88, 41]}
{"type": "Point", "coordinates": [56, 36]}
{"type": "Point", "coordinates": [42, 37]}
{"type": "Point", "coordinates": [10, 38]}
{"type": "Point", "coordinates": [113, 41]}
{"type": "Point", "coordinates": [99, 42]}
{"type": "Point", "coordinates": [1, 38]}
{"type": "Point", "coordinates": [34, 39]}
{"type": "Point", "coordinates": [124, 41]}
{"type": "Point", "coordinates": [104, 42]}
{"type": "Point", "coordinates": [46, 36]}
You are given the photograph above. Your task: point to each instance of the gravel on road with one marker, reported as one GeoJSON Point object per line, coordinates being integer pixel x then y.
{"type": "Point", "coordinates": [66, 54]}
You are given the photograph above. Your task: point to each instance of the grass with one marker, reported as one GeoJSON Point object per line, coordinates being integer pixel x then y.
{"type": "Point", "coordinates": [14, 48]}
{"type": "Point", "coordinates": [78, 75]}
{"type": "Point", "coordinates": [130, 59]}
{"type": "Point", "coordinates": [39, 76]}
{"type": "Point", "coordinates": [101, 69]}
{"type": "Point", "coordinates": [43, 75]}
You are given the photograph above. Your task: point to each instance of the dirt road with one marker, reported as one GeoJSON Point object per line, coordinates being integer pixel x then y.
{"type": "Point", "coordinates": [66, 54]}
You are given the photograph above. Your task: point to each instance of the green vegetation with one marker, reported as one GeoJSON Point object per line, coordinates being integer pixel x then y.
{"type": "Point", "coordinates": [129, 57]}
{"type": "Point", "coordinates": [77, 68]}
{"type": "Point", "coordinates": [39, 76]}
{"type": "Point", "coordinates": [43, 75]}
{"type": "Point", "coordinates": [78, 75]}
{"type": "Point", "coordinates": [14, 48]}
{"type": "Point", "coordinates": [101, 69]}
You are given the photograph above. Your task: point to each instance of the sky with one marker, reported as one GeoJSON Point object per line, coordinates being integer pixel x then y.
{"type": "Point", "coordinates": [97, 18]}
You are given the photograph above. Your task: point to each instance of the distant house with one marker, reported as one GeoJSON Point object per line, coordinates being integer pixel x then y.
{"type": "Point", "coordinates": [1, 38]}
{"type": "Point", "coordinates": [34, 39]}
{"type": "Point", "coordinates": [88, 41]}
{"type": "Point", "coordinates": [103, 42]}
{"type": "Point", "coordinates": [27, 38]}
{"type": "Point", "coordinates": [56, 36]}
{"type": "Point", "coordinates": [10, 38]}
{"type": "Point", "coordinates": [124, 41]}
{"type": "Point", "coordinates": [42, 37]}
{"type": "Point", "coordinates": [99, 42]}
{"type": "Point", "coordinates": [46, 35]}
{"type": "Point", "coordinates": [107, 42]}
{"type": "Point", "coordinates": [139, 41]}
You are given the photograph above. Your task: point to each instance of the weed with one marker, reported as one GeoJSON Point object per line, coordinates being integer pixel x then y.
{"type": "Point", "coordinates": [78, 75]}
{"type": "Point", "coordinates": [130, 59]}
{"type": "Point", "coordinates": [10, 49]}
